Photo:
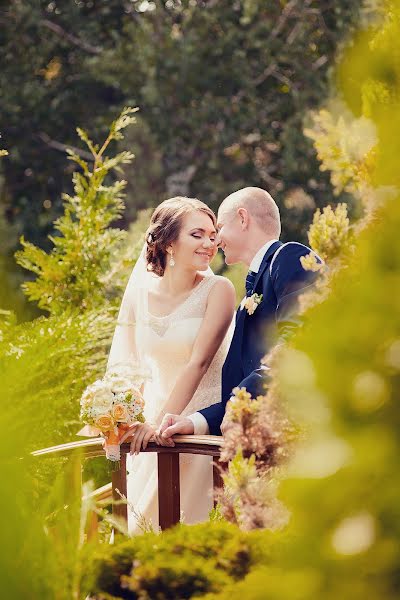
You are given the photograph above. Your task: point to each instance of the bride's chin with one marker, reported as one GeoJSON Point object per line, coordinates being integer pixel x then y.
{"type": "Point", "coordinates": [202, 265]}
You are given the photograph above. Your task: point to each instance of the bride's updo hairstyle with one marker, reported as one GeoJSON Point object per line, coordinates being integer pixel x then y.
{"type": "Point", "coordinates": [165, 227]}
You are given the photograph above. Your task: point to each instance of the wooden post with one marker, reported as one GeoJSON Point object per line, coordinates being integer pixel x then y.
{"type": "Point", "coordinates": [168, 489]}
{"type": "Point", "coordinates": [92, 526]}
{"type": "Point", "coordinates": [118, 478]}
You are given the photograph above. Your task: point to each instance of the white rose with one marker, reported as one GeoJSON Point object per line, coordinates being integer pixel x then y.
{"type": "Point", "coordinates": [103, 395]}
{"type": "Point", "coordinates": [90, 393]}
{"type": "Point", "coordinates": [97, 397]}
{"type": "Point", "coordinates": [120, 384]}
{"type": "Point", "coordinates": [87, 398]}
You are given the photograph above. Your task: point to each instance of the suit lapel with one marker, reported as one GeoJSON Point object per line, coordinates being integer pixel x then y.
{"type": "Point", "coordinates": [265, 261]}
{"type": "Point", "coordinates": [269, 253]}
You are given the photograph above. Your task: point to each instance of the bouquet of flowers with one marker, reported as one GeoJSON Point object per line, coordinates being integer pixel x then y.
{"type": "Point", "coordinates": [111, 404]}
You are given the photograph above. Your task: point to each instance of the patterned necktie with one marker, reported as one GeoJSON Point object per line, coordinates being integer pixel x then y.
{"type": "Point", "coordinates": [250, 279]}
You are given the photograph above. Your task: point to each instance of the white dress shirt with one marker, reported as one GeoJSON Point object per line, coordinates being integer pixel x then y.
{"type": "Point", "coordinates": [199, 422]}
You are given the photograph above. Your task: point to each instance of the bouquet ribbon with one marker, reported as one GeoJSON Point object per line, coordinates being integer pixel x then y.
{"type": "Point", "coordinates": [112, 439]}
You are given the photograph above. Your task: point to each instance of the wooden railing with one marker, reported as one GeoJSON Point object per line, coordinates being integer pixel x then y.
{"type": "Point", "coordinates": [168, 471]}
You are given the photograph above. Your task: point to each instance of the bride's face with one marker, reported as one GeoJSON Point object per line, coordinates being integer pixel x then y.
{"type": "Point", "coordinates": [196, 245]}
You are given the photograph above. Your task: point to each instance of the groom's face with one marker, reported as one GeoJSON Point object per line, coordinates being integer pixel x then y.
{"type": "Point", "coordinates": [230, 235]}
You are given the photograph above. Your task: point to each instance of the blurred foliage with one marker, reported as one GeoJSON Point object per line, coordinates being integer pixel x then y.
{"type": "Point", "coordinates": [47, 94]}
{"type": "Point", "coordinates": [181, 563]}
{"type": "Point", "coordinates": [249, 496]}
{"type": "Point", "coordinates": [340, 377]}
{"type": "Point", "coordinates": [345, 146]}
{"type": "Point", "coordinates": [40, 529]}
{"type": "Point", "coordinates": [56, 358]}
{"type": "Point", "coordinates": [44, 366]}
{"type": "Point", "coordinates": [256, 443]}
{"type": "Point", "coordinates": [11, 297]}
{"type": "Point", "coordinates": [215, 116]}
{"type": "Point", "coordinates": [329, 231]}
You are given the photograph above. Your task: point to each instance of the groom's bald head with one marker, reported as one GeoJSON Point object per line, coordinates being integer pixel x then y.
{"type": "Point", "coordinates": [260, 205]}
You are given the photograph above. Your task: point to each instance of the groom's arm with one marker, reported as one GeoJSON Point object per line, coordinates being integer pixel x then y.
{"type": "Point", "coordinates": [290, 280]}
{"type": "Point", "coordinates": [209, 420]}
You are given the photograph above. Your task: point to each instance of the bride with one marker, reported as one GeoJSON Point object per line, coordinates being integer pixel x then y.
{"type": "Point", "coordinates": [175, 321]}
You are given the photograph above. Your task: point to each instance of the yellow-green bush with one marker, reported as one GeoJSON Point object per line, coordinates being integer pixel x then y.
{"type": "Point", "coordinates": [179, 563]}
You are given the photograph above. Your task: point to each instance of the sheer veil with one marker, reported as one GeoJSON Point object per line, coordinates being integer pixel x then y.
{"type": "Point", "coordinates": [123, 352]}
{"type": "Point", "coordinates": [123, 349]}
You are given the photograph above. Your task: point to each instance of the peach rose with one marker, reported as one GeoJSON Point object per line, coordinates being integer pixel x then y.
{"type": "Point", "coordinates": [120, 412]}
{"type": "Point", "coordinates": [104, 423]}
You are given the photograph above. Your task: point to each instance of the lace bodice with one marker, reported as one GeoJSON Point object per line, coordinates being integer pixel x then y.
{"type": "Point", "coordinates": [164, 345]}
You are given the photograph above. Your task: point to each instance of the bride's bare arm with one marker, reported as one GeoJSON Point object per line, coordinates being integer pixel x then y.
{"type": "Point", "coordinates": [217, 318]}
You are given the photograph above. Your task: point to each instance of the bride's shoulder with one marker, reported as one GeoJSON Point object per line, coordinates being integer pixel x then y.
{"type": "Point", "coordinates": [222, 286]}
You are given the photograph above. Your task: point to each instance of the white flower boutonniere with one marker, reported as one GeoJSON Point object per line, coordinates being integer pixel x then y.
{"type": "Point", "coordinates": [250, 303]}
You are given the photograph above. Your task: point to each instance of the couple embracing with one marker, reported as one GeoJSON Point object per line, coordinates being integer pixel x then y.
{"type": "Point", "coordinates": [177, 320]}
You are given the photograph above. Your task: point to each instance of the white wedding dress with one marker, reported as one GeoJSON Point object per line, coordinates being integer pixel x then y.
{"type": "Point", "coordinates": [164, 345]}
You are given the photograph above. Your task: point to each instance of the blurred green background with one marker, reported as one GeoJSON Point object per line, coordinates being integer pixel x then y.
{"type": "Point", "coordinates": [301, 98]}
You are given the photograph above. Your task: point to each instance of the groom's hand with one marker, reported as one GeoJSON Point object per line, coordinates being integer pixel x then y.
{"type": "Point", "coordinates": [174, 424]}
{"type": "Point", "coordinates": [225, 425]}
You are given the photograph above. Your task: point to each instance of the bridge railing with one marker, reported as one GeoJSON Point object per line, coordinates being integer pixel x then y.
{"type": "Point", "coordinates": [168, 471]}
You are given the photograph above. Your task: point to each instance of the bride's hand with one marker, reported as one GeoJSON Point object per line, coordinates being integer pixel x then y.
{"type": "Point", "coordinates": [141, 435]}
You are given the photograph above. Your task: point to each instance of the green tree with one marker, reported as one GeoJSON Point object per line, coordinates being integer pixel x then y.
{"type": "Point", "coordinates": [79, 284]}
{"type": "Point", "coordinates": [74, 273]}
{"type": "Point", "coordinates": [46, 94]}
{"type": "Point", "coordinates": [215, 116]}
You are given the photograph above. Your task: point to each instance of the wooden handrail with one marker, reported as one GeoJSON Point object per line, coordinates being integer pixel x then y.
{"type": "Point", "coordinates": [168, 470]}
{"type": "Point", "coordinates": [91, 447]}
{"type": "Point", "coordinates": [102, 493]}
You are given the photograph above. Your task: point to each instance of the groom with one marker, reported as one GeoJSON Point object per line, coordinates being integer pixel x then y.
{"type": "Point", "coordinates": [248, 230]}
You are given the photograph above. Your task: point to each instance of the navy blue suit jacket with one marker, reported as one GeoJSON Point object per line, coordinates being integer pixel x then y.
{"type": "Point", "coordinates": [281, 280]}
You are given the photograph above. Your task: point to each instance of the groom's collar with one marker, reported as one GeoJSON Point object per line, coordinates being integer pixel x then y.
{"type": "Point", "coordinates": [260, 255]}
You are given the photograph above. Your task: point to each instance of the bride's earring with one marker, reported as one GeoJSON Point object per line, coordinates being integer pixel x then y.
{"type": "Point", "coordinates": [171, 260]}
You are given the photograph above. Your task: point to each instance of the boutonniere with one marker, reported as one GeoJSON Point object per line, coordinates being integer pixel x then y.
{"type": "Point", "coordinates": [251, 302]}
